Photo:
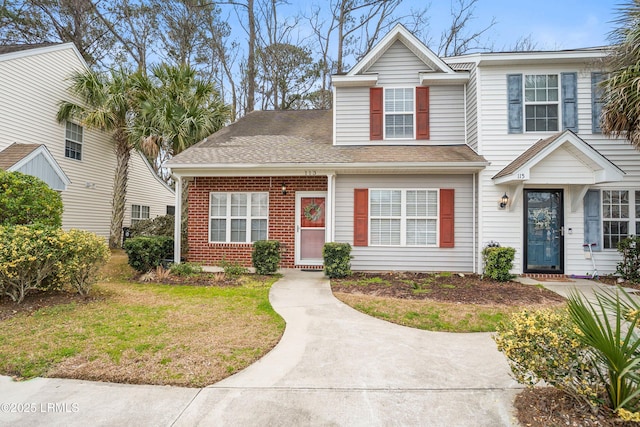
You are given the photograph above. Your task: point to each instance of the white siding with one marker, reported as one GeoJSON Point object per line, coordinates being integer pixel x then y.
{"type": "Point", "coordinates": [31, 88]}
{"type": "Point", "coordinates": [399, 67]}
{"type": "Point", "coordinates": [459, 258]}
{"type": "Point", "coordinates": [144, 191]}
{"type": "Point", "coordinates": [500, 148]}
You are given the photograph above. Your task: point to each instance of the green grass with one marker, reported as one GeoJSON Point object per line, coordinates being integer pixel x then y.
{"type": "Point", "coordinates": [430, 315]}
{"type": "Point", "coordinates": [144, 333]}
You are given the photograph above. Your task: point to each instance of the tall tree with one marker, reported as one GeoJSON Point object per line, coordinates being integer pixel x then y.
{"type": "Point", "coordinates": [176, 109]}
{"type": "Point", "coordinates": [106, 104]}
{"type": "Point", "coordinates": [55, 21]}
{"type": "Point", "coordinates": [621, 109]}
{"type": "Point", "coordinates": [459, 38]}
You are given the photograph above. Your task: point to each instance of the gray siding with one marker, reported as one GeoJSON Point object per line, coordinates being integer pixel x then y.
{"type": "Point", "coordinates": [40, 167]}
{"type": "Point", "coordinates": [459, 258]}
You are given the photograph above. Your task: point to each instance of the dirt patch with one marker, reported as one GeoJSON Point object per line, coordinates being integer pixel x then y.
{"type": "Point", "coordinates": [36, 300]}
{"type": "Point", "coordinates": [445, 287]}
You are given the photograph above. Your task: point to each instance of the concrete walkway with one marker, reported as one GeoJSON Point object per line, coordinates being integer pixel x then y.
{"type": "Point", "coordinates": [333, 367]}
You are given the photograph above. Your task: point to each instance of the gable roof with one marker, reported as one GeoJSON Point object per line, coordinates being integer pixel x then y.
{"type": "Point", "coordinates": [36, 160]}
{"type": "Point", "coordinates": [436, 70]}
{"type": "Point", "coordinates": [286, 140]}
{"type": "Point", "coordinates": [518, 170]}
{"type": "Point", "coordinates": [10, 52]}
{"type": "Point", "coordinates": [19, 47]}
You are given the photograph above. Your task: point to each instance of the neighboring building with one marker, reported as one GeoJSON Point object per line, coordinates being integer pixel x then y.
{"type": "Point", "coordinates": [76, 161]}
{"type": "Point", "coordinates": [422, 163]}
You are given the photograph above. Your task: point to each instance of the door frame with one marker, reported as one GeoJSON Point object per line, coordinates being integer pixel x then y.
{"type": "Point", "coordinates": [525, 238]}
{"type": "Point", "coordinates": [298, 208]}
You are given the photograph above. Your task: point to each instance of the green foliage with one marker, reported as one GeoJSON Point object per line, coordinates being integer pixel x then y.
{"type": "Point", "coordinates": [497, 262]}
{"type": "Point", "coordinates": [146, 252]}
{"type": "Point", "coordinates": [337, 259]}
{"type": "Point", "coordinates": [83, 254]}
{"type": "Point", "coordinates": [233, 269]}
{"type": "Point", "coordinates": [609, 328]}
{"type": "Point", "coordinates": [186, 269]}
{"type": "Point", "coordinates": [265, 256]}
{"type": "Point", "coordinates": [25, 200]}
{"type": "Point", "coordinates": [629, 267]}
{"type": "Point", "coordinates": [543, 346]}
{"type": "Point", "coordinates": [48, 258]}
{"type": "Point", "coordinates": [158, 226]}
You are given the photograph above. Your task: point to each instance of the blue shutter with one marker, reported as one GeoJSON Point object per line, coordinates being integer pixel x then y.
{"type": "Point", "coordinates": [597, 91]}
{"type": "Point", "coordinates": [592, 220]}
{"type": "Point", "coordinates": [570, 101]}
{"type": "Point", "coordinates": [514, 93]}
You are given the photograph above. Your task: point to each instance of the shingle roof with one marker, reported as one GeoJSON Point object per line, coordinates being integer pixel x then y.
{"type": "Point", "coordinates": [529, 154]}
{"type": "Point", "coordinates": [14, 153]}
{"type": "Point", "coordinates": [263, 138]}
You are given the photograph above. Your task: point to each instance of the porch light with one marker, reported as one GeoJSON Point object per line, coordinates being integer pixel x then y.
{"type": "Point", "coordinates": [504, 201]}
{"type": "Point", "coordinates": [284, 189]}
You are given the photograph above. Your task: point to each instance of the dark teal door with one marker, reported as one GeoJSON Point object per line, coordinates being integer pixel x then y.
{"type": "Point", "coordinates": [544, 231]}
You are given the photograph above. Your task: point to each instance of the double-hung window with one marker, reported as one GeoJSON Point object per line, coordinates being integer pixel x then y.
{"type": "Point", "coordinates": [403, 217]}
{"type": "Point", "coordinates": [541, 97]}
{"type": "Point", "coordinates": [73, 141]}
{"type": "Point", "coordinates": [139, 213]}
{"type": "Point", "coordinates": [238, 217]}
{"type": "Point", "coordinates": [615, 216]}
{"type": "Point", "coordinates": [399, 113]}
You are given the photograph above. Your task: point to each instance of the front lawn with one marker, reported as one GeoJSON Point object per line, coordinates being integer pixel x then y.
{"type": "Point", "coordinates": [141, 333]}
{"type": "Point", "coordinates": [440, 301]}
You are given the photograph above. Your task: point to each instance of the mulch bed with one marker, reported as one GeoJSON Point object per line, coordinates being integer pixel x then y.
{"type": "Point", "coordinates": [36, 300]}
{"type": "Point", "coordinates": [454, 288]}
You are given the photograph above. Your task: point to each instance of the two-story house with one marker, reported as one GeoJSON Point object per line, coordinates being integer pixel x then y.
{"type": "Point", "coordinates": [421, 163]}
{"type": "Point", "coordinates": [74, 160]}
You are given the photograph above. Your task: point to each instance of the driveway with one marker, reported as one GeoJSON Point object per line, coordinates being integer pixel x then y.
{"type": "Point", "coordinates": [333, 366]}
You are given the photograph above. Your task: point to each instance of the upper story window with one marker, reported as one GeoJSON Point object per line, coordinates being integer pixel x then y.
{"type": "Point", "coordinates": [398, 113]}
{"type": "Point", "coordinates": [541, 97]}
{"type": "Point", "coordinates": [73, 141]}
{"type": "Point", "coordinates": [139, 213]}
{"type": "Point", "coordinates": [238, 217]}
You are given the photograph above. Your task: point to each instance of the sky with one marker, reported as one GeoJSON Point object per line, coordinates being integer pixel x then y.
{"type": "Point", "coordinates": [552, 24]}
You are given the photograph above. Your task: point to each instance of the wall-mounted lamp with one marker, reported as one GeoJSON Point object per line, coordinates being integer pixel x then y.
{"type": "Point", "coordinates": [284, 189]}
{"type": "Point", "coordinates": [504, 201]}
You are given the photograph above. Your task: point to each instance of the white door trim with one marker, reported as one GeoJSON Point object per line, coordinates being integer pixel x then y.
{"type": "Point", "coordinates": [299, 196]}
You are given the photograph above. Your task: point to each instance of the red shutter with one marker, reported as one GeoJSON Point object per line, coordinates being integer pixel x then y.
{"type": "Point", "coordinates": [376, 113]}
{"type": "Point", "coordinates": [447, 219]}
{"type": "Point", "coordinates": [360, 217]}
{"type": "Point", "coordinates": [422, 112]}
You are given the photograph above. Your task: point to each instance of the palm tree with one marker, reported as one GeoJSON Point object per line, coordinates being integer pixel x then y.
{"type": "Point", "coordinates": [621, 109]}
{"type": "Point", "coordinates": [177, 109]}
{"type": "Point", "coordinates": [106, 104]}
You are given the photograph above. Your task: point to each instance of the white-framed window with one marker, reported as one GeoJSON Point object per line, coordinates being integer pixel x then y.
{"type": "Point", "coordinates": [73, 141]}
{"type": "Point", "coordinates": [238, 217]}
{"type": "Point", "coordinates": [541, 102]}
{"type": "Point", "coordinates": [403, 217]}
{"type": "Point", "coordinates": [617, 216]}
{"type": "Point", "coordinates": [139, 213]}
{"type": "Point", "coordinates": [399, 113]}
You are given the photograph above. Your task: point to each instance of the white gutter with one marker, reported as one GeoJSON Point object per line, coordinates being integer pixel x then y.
{"type": "Point", "coordinates": [177, 231]}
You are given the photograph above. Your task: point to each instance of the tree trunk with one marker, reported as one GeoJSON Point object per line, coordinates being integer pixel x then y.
{"type": "Point", "coordinates": [251, 59]}
{"type": "Point", "coordinates": [121, 176]}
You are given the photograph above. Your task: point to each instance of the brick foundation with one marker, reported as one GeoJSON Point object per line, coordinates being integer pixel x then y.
{"type": "Point", "coordinates": [281, 216]}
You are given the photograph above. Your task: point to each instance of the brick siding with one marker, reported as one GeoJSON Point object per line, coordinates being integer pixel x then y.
{"type": "Point", "coordinates": [281, 216]}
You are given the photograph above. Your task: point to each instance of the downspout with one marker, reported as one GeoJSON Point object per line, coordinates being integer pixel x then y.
{"type": "Point", "coordinates": [329, 233]}
{"type": "Point", "coordinates": [475, 242]}
{"type": "Point", "coordinates": [177, 226]}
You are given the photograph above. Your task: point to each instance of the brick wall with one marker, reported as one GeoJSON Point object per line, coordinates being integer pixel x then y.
{"type": "Point", "coordinates": [281, 216]}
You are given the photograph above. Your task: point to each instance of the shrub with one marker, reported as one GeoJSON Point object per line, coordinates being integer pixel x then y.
{"type": "Point", "coordinates": [543, 346]}
{"type": "Point", "coordinates": [146, 253]}
{"type": "Point", "coordinates": [265, 256]}
{"type": "Point", "coordinates": [497, 262]}
{"type": "Point", "coordinates": [84, 253]}
{"type": "Point", "coordinates": [158, 226]}
{"type": "Point", "coordinates": [28, 256]}
{"type": "Point", "coordinates": [186, 269]}
{"type": "Point", "coordinates": [25, 200]}
{"type": "Point", "coordinates": [337, 259]}
{"type": "Point", "coordinates": [233, 269]}
{"type": "Point", "coordinates": [629, 268]}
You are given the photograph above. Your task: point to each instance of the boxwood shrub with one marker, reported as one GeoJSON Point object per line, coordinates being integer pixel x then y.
{"type": "Point", "coordinates": [265, 256]}
{"type": "Point", "coordinates": [146, 253]}
{"type": "Point", "coordinates": [337, 259]}
{"type": "Point", "coordinates": [497, 262]}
